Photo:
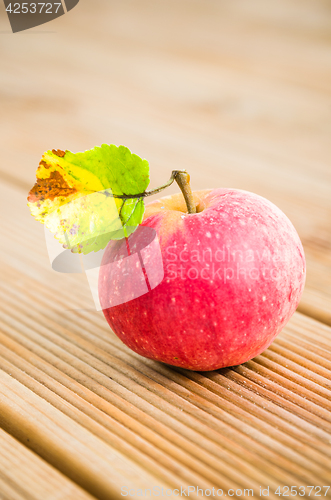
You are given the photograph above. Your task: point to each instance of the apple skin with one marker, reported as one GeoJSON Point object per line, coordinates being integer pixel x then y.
{"type": "Point", "coordinates": [234, 273]}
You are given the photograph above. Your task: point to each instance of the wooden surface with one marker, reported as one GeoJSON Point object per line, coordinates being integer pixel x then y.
{"type": "Point", "coordinates": [238, 93]}
{"type": "Point", "coordinates": [24, 476]}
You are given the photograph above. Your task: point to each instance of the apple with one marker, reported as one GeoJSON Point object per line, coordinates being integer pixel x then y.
{"type": "Point", "coordinates": [234, 273]}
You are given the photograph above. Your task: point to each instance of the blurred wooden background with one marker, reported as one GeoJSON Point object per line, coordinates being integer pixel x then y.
{"type": "Point", "coordinates": [239, 94]}
{"type": "Point", "coordinates": [236, 92]}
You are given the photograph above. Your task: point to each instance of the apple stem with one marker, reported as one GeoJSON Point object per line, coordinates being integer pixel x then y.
{"type": "Point", "coordinates": [183, 180]}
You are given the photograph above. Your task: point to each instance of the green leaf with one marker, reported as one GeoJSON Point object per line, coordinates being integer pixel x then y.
{"type": "Point", "coordinates": [74, 195]}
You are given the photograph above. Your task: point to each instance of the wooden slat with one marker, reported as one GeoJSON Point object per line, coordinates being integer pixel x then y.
{"type": "Point", "coordinates": [24, 476]}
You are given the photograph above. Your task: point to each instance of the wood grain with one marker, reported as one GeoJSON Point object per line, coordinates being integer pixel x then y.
{"type": "Point", "coordinates": [238, 93]}
{"type": "Point", "coordinates": [24, 476]}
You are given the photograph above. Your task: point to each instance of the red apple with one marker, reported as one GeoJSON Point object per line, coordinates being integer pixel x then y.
{"type": "Point", "coordinates": [234, 273]}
